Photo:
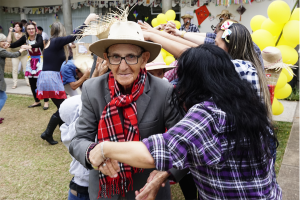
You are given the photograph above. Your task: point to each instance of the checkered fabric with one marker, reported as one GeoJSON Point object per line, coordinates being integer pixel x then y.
{"type": "Point", "coordinates": [248, 72]}
{"type": "Point", "coordinates": [192, 28]}
{"type": "Point", "coordinates": [110, 129]}
{"type": "Point", "coordinates": [50, 85]}
{"type": "Point", "coordinates": [172, 74]}
{"type": "Point", "coordinates": [197, 143]}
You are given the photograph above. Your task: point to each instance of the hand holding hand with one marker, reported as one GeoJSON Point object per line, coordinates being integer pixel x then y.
{"type": "Point", "coordinates": [95, 156]}
{"type": "Point", "coordinates": [156, 180]}
{"type": "Point", "coordinates": [26, 47]}
{"type": "Point", "coordinates": [86, 75]}
{"type": "Point", "coordinates": [110, 168]}
{"type": "Point", "coordinates": [145, 26]}
{"type": "Point", "coordinates": [11, 29]}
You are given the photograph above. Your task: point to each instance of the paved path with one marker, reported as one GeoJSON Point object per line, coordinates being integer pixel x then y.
{"type": "Point", "coordinates": [21, 89]}
{"type": "Point", "coordinates": [288, 177]}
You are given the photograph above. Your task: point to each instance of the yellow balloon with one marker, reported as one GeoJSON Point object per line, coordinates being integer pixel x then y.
{"type": "Point", "coordinates": [284, 92]}
{"type": "Point", "coordinates": [289, 73]}
{"type": "Point", "coordinates": [263, 39]}
{"type": "Point", "coordinates": [275, 106]}
{"type": "Point", "coordinates": [168, 54]}
{"type": "Point", "coordinates": [256, 22]}
{"type": "Point", "coordinates": [279, 12]}
{"type": "Point", "coordinates": [164, 54]}
{"type": "Point", "coordinates": [291, 32]}
{"type": "Point", "coordinates": [154, 22]}
{"type": "Point", "coordinates": [169, 60]}
{"type": "Point", "coordinates": [162, 19]}
{"type": "Point", "coordinates": [178, 24]}
{"type": "Point", "coordinates": [280, 108]}
{"type": "Point", "coordinates": [171, 15]}
{"type": "Point", "coordinates": [289, 55]}
{"type": "Point", "coordinates": [282, 41]}
{"type": "Point", "coordinates": [163, 50]}
{"type": "Point", "coordinates": [274, 29]}
{"type": "Point", "coordinates": [281, 82]}
{"type": "Point", "coordinates": [295, 14]}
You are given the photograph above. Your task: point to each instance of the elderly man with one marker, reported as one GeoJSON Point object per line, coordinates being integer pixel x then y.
{"type": "Point", "coordinates": [127, 104]}
{"type": "Point", "coordinates": [187, 26]}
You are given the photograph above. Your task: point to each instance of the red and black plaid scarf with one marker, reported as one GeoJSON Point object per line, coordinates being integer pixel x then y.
{"type": "Point", "coordinates": [110, 129]}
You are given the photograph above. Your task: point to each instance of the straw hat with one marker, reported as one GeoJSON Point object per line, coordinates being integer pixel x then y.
{"type": "Point", "coordinates": [272, 58]}
{"type": "Point", "coordinates": [83, 62]}
{"type": "Point", "coordinates": [225, 13]}
{"type": "Point", "coordinates": [158, 63]}
{"type": "Point", "coordinates": [125, 33]}
{"type": "Point", "coordinates": [187, 16]}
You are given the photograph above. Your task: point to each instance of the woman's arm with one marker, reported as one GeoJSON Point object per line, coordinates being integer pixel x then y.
{"type": "Point", "coordinates": [134, 154]}
{"type": "Point", "coordinates": [19, 42]}
{"type": "Point", "coordinates": [175, 48]}
{"type": "Point", "coordinates": [39, 42]}
{"type": "Point", "coordinates": [146, 27]}
{"type": "Point", "coordinates": [9, 36]}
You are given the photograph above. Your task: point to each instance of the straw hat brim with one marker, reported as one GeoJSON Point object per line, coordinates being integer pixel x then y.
{"type": "Point", "coordinates": [165, 67]}
{"type": "Point", "coordinates": [83, 62]}
{"type": "Point", "coordinates": [187, 16]}
{"type": "Point", "coordinates": [268, 65]}
{"type": "Point", "coordinates": [100, 47]}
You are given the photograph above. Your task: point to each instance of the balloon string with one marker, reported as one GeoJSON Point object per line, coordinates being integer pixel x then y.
{"type": "Point", "coordinates": [289, 19]}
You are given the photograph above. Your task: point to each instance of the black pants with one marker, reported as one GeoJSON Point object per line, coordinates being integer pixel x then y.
{"type": "Point", "coordinates": [33, 87]}
{"type": "Point", "coordinates": [188, 187]}
{"type": "Point", "coordinates": [57, 103]}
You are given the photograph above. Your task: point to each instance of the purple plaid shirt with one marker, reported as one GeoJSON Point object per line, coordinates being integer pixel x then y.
{"type": "Point", "coordinates": [197, 143]}
{"type": "Point", "coordinates": [192, 28]}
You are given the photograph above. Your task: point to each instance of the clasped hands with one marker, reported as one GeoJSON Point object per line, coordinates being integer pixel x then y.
{"type": "Point", "coordinates": [111, 168]}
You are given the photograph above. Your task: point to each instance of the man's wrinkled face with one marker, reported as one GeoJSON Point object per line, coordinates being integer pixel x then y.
{"type": "Point", "coordinates": [125, 74]}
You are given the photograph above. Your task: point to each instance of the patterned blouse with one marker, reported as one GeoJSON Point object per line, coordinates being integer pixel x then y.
{"type": "Point", "coordinates": [196, 142]}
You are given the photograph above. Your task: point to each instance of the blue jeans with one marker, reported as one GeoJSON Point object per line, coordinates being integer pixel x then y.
{"type": "Point", "coordinates": [79, 196]}
{"type": "Point", "coordinates": [3, 98]}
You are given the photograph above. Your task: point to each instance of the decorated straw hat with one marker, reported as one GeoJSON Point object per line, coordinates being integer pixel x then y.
{"type": "Point", "coordinates": [127, 32]}
{"type": "Point", "coordinates": [187, 16]}
{"type": "Point", "coordinates": [158, 63]}
{"type": "Point", "coordinates": [272, 59]}
{"type": "Point", "coordinates": [84, 62]}
{"type": "Point", "coordinates": [225, 13]}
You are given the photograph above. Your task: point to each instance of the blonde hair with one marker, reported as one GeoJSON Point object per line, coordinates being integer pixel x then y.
{"type": "Point", "coordinates": [2, 37]}
{"type": "Point", "coordinates": [58, 30]}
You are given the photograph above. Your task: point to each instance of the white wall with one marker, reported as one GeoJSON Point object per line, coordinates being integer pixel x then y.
{"type": "Point", "coordinates": [252, 10]}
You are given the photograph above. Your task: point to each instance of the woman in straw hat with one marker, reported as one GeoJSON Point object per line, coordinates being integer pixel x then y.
{"type": "Point", "coordinates": [158, 67]}
{"type": "Point", "coordinates": [187, 26]}
{"type": "Point", "coordinates": [226, 150]}
{"type": "Point", "coordinates": [127, 104]}
{"type": "Point", "coordinates": [5, 54]}
{"type": "Point", "coordinates": [49, 84]}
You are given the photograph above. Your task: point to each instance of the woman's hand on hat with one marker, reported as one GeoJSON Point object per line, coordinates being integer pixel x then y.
{"type": "Point", "coordinates": [91, 17]}
{"type": "Point", "coordinates": [147, 35]}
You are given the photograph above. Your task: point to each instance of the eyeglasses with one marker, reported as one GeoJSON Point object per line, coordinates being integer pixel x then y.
{"type": "Point", "coordinates": [130, 59]}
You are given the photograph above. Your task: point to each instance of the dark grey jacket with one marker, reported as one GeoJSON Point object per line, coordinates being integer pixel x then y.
{"type": "Point", "coordinates": [5, 54]}
{"type": "Point", "coordinates": [154, 113]}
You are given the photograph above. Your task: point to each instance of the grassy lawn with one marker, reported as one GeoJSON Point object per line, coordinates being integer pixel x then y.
{"type": "Point", "coordinates": [32, 169]}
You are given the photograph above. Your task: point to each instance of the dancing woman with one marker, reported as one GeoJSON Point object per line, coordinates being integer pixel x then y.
{"type": "Point", "coordinates": [49, 84]}
{"type": "Point", "coordinates": [33, 42]}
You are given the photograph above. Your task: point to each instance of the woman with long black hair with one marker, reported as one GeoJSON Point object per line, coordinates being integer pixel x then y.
{"type": "Point", "coordinates": [223, 138]}
{"type": "Point", "coordinates": [49, 84]}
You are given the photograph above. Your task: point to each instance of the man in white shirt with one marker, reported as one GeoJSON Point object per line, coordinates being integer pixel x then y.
{"type": "Point", "coordinates": [43, 34]}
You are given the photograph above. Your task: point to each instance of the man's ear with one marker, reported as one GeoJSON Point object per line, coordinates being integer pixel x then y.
{"type": "Point", "coordinates": [145, 58]}
{"type": "Point", "coordinates": [107, 60]}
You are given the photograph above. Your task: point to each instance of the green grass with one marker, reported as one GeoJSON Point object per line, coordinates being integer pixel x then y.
{"type": "Point", "coordinates": [294, 95]}
{"type": "Point", "coordinates": [30, 168]}
{"type": "Point", "coordinates": [9, 75]}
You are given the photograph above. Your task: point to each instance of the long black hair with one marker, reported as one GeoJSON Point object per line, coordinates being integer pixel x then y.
{"type": "Point", "coordinates": [206, 73]}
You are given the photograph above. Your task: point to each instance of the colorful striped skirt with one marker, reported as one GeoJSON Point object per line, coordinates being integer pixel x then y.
{"type": "Point", "coordinates": [50, 85]}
